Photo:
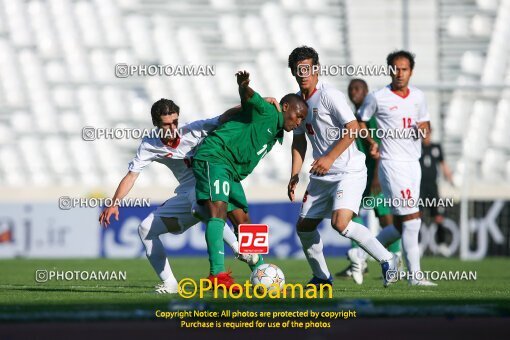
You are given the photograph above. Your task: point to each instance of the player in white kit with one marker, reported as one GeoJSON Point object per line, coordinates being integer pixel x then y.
{"type": "Point", "coordinates": [399, 106]}
{"type": "Point", "coordinates": [175, 215]}
{"type": "Point", "coordinates": [338, 174]}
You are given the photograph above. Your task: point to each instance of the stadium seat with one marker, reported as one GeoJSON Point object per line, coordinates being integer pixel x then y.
{"type": "Point", "coordinates": [472, 62]}
{"type": "Point", "coordinates": [276, 21]}
{"type": "Point", "coordinates": [63, 97]}
{"type": "Point", "coordinates": [507, 170]}
{"type": "Point", "coordinates": [458, 26]}
{"type": "Point", "coordinates": [300, 27]}
{"type": "Point", "coordinates": [255, 31]}
{"type": "Point", "coordinates": [58, 157]}
{"type": "Point", "coordinates": [139, 35]}
{"type": "Point", "coordinates": [487, 5]}
{"type": "Point", "coordinates": [114, 103]}
{"type": "Point", "coordinates": [231, 33]}
{"type": "Point", "coordinates": [223, 4]}
{"type": "Point", "coordinates": [6, 134]}
{"type": "Point", "coordinates": [90, 30]}
{"type": "Point", "coordinates": [20, 120]}
{"type": "Point", "coordinates": [70, 121]}
{"type": "Point", "coordinates": [493, 165]}
{"type": "Point", "coordinates": [55, 71]}
{"type": "Point", "coordinates": [318, 5]}
{"type": "Point", "coordinates": [457, 115]}
{"type": "Point", "coordinates": [476, 139]}
{"type": "Point", "coordinates": [497, 53]}
{"type": "Point", "coordinates": [481, 25]}
{"type": "Point", "coordinates": [18, 24]}
{"type": "Point", "coordinates": [101, 65]}
{"type": "Point", "coordinates": [323, 24]}
{"type": "Point", "coordinates": [111, 19]}
{"type": "Point", "coordinates": [13, 167]}
{"type": "Point", "coordinates": [499, 135]}
{"type": "Point", "coordinates": [272, 72]}
{"type": "Point", "coordinates": [10, 76]}
{"type": "Point", "coordinates": [42, 27]}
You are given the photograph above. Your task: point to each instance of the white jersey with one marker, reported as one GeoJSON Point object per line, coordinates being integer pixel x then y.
{"type": "Point", "coordinates": [177, 155]}
{"type": "Point", "coordinates": [328, 113]}
{"type": "Point", "coordinates": [393, 112]}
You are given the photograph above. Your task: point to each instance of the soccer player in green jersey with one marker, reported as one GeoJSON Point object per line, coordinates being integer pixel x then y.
{"type": "Point", "coordinates": [230, 153]}
{"type": "Point", "coordinates": [357, 91]}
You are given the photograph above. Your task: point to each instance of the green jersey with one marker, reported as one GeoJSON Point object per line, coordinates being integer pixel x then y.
{"type": "Point", "coordinates": [371, 126]}
{"type": "Point", "coordinates": [245, 139]}
{"type": "Point", "coordinates": [369, 161]}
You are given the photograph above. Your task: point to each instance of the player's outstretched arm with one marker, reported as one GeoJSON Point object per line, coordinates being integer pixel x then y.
{"type": "Point", "coordinates": [298, 156]}
{"type": "Point", "coordinates": [425, 127]}
{"type": "Point", "coordinates": [245, 91]}
{"type": "Point", "coordinates": [123, 189]}
{"type": "Point", "coordinates": [372, 145]}
{"type": "Point", "coordinates": [447, 172]}
{"type": "Point", "coordinates": [227, 115]}
{"type": "Point", "coordinates": [375, 187]}
{"type": "Point", "coordinates": [322, 165]}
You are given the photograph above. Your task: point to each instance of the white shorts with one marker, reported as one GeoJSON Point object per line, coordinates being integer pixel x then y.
{"type": "Point", "coordinates": [400, 181]}
{"type": "Point", "coordinates": [332, 192]}
{"type": "Point", "coordinates": [179, 207]}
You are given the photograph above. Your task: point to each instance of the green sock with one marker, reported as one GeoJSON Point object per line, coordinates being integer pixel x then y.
{"type": "Point", "coordinates": [259, 262]}
{"type": "Point", "coordinates": [215, 246]}
{"type": "Point", "coordinates": [394, 247]}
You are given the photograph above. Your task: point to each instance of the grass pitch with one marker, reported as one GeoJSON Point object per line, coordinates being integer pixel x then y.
{"type": "Point", "coordinates": [22, 298]}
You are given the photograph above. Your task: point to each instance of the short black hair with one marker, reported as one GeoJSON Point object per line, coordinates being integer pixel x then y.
{"type": "Point", "coordinates": [400, 54]}
{"type": "Point", "coordinates": [359, 80]}
{"type": "Point", "coordinates": [302, 53]}
{"type": "Point", "coordinates": [162, 107]}
{"type": "Point", "coordinates": [293, 98]}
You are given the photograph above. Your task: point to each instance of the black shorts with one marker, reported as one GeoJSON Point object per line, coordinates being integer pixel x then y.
{"type": "Point", "coordinates": [431, 192]}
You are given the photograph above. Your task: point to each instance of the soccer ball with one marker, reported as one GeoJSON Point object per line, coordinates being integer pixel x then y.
{"type": "Point", "coordinates": [268, 275]}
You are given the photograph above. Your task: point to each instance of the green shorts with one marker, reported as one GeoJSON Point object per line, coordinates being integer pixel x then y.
{"type": "Point", "coordinates": [381, 209]}
{"type": "Point", "coordinates": [215, 182]}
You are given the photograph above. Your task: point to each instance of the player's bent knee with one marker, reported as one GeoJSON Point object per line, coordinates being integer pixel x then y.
{"type": "Point", "coordinates": [217, 209]}
{"type": "Point", "coordinates": [341, 219]}
{"type": "Point", "coordinates": [145, 226]}
{"type": "Point", "coordinates": [305, 224]}
{"type": "Point", "coordinates": [239, 216]}
{"type": "Point", "coordinates": [410, 217]}
{"type": "Point", "coordinates": [339, 226]}
{"type": "Point", "coordinates": [171, 224]}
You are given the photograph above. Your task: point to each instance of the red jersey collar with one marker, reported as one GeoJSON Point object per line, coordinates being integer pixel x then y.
{"type": "Point", "coordinates": [173, 144]}
{"type": "Point", "coordinates": [314, 90]}
{"type": "Point", "coordinates": [398, 94]}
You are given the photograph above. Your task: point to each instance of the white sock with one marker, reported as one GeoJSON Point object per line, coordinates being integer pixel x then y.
{"type": "Point", "coordinates": [388, 235]}
{"type": "Point", "coordinates": [312, 247]}
{"type": "Point", "coordinates": [367, 241]}
{"type": "Point", "coordinates": [410, 245]}
{"type": "Point", "coordinates": [149, 231]}
{"type": "Point", "coordinates": [230, 238]}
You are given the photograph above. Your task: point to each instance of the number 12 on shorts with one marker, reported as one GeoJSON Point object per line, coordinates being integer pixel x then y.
{"type": "Point", "coordinates": [253, 238]}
